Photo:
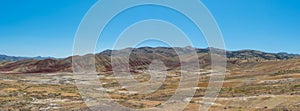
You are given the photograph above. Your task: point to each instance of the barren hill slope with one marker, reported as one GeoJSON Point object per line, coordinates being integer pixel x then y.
{"type": "Point", "coordinates": [238, 61]}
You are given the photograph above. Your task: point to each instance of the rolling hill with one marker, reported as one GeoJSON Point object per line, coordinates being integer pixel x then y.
{"type": "Point", "coordinates": [139, 59]}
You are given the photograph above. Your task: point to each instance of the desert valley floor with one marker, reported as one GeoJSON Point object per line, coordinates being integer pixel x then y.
{"type": "Point", "coordinates": [57, 91]}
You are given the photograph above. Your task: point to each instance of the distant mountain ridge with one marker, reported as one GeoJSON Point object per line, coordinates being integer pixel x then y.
{"type": "Point", "coordinates": [6, 58]}
{"type": "Point", "coordinates": [240, 54]}
{"type": "Point", "coordinates": [246, 54]}
{"type": "Point", "coordinates": [140, 58]}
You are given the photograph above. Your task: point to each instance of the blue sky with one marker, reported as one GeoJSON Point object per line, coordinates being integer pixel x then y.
{"type": "Point", "coordinates": [48, 27]}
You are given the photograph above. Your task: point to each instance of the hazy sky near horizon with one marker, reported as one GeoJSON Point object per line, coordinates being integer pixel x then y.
{"type": "Point", "coordinates": [48, 27]}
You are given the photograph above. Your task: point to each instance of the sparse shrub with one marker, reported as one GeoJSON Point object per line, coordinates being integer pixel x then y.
{"type": "Point", "coordinates": [281, 72]}
{"type": "Point", "coordinates": [297, 86]}
{"type": "Point", "coordinates": [141, 106]}
{"type": "Point", "coordinates": [158, 105]}
{"type": "Point", "coordinates": [25, 110]}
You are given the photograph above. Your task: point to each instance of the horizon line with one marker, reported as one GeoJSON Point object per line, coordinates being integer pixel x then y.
{"type": "Point", "coordinates": [1, 54]}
